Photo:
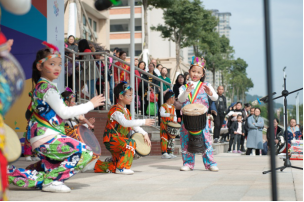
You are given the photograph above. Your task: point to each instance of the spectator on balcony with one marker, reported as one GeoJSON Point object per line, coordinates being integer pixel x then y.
{"type": "Point", "coordinates": [71, 44]}
{"type": "Point", "coordinates": [151, 80]}
{"type": "Point", "coordinates": [120, 75]}
{"type": "Point", "coordinates": [154, 62]}
{"type": "Point", "coordinates": [158, 68]}
{"type": "Point", "coordinates": [69, 70]}
{"type": "Point", "coordinates": [164, 72]}
{"type": "Point", "coordinates": [90, 75]}
{"type": "Point", "coordinates": [186, 77]}
{"type": "Point", "coordinates": [115, 51]}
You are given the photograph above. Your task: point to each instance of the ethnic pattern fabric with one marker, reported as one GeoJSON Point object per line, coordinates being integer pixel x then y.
{"type": "Point", "coordinates": [164, 137]}
{"type": "Point", "coordinates": [3, 162]}
{"type": "Point", "coordinates": [113, 127]}
{"type": "Point", "coordinates": [189, 158]}
{"type": "Point", "coordinates": [122, 150]}
{"type": "Point", "coordinates": [61, 158]}
{"type": "Point", "coordinates": [27, 146]}
{"type": "Point", "coordinates": [43, 115]}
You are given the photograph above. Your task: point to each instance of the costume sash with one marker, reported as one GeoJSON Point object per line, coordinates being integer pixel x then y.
{"type": "Point", "coordinates": [193, 96]}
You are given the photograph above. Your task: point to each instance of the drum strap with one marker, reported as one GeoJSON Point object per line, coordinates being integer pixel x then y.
{"type": "Point", "coordinates": [193, 96]}
{"type": "Point", "coordinates": [45, 123]}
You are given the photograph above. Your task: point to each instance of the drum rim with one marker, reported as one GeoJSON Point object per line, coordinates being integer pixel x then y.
{"type": "Point", "coordinates": [142, 155]}
{"type": "Point", "coordinates": [174, 123]}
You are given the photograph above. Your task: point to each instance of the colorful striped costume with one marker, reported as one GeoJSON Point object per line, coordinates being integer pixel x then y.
{"type": "Point", "coordinates": [164, 137]}
{"type": "Point", "coordinates": [117, 142]}
{"type": "Point", "coordinates": [198, 95]}
{"type": "Point", "coordinates": [61, 157]}
{"type": "Point", "coordinates": [3, 161]}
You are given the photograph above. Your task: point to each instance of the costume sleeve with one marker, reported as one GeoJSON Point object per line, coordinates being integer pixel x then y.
{"type": "Point", "coordinates": [183, 94]}
{"type": "Point", "coordinates": [120, 118]}
{"type": "Point", "coordinates": [163, 112]}
{"type": "Point", "coordinates": [140, 130]}
{"type": "Point", "coordinates": [230, 114]}
{"type": "Point", "coordinates": [214, 96]}
{"type": "Point", "coordinates": [52, 97]}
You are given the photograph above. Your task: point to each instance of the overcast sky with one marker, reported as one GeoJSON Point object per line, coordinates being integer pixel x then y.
{"type": "Point", "coordinates": [247, 38]}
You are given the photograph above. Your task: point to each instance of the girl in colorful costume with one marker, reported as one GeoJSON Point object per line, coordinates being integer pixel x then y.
{"type": "Point", "coordinates": [118, 127]}
{"type": "Point", "coordinates": [197, 91]}
{"type": "Point", "coordinates": [168, 114]}
{"type": "Point", "coordinates": [62, 156]}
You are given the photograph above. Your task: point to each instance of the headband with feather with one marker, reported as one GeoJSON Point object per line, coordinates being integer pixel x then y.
{"type": "Point", "coordinates": [54, 52]}
{"type": "Point", "coordinates": [198, 61]}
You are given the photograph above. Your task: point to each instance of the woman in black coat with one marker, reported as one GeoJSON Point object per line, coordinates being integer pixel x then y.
{"type": "Point", "coordinates": [178, 83]}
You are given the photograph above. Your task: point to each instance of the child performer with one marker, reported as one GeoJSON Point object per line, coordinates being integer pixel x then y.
{"type": "Point", "coordinates": [168, 114]}
{"type": "Point", "coordinates": [197, 91]}
{"type": "Point", "coordinates": [62, 156]}
{"type": "Point", "coordinates": [237, 129]}
{"type": "Point", "coordinates": [72, 124]}
{"type": "Point", "coordinates": [115, 137]}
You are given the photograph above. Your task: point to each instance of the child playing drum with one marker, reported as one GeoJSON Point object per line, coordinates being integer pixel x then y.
{"type": "Point", "coordinates": [168, 114]}
{"type": "Point", "coordinates": [115, 137]}
{"type": "Point", "coordinates": [62, 156]}
{"type": "Point", "coordinates": [197, 91]}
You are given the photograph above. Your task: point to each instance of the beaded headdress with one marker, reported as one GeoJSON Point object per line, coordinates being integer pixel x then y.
{"type": "Point", "coordinates": [54, 52]}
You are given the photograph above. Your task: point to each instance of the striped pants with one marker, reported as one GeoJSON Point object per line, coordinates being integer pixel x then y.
{"type": "Point", "coordinates": [189, 158]}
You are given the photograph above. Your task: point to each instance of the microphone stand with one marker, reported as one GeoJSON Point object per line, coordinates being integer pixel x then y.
{"type": "Point", "coordinates": [287, 163]}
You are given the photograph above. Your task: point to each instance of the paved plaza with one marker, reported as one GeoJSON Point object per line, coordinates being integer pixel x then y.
{"type": "Point", "coordinates": [155, 179]}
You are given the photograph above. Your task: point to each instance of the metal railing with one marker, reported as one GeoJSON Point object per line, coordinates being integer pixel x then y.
{"type": "Point", "coordinates": [82, 73]}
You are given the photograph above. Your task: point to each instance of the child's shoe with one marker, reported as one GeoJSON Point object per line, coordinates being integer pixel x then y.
{"type": "Point", "coordinates": [124, 171]}
{"type": "Point", "coordinates": [234, 151]}
{"type": "Point", "coordinates": [28, 158]}
{"type": "Point", "coordinates": [35, 158]}
{"type": "Point", "coordinates": [56, 186]}
{"type": "Point", "coordinates": [239, 151]}
{"type": "Point", "coordinates": [172, 156]}
{"type": "Point", "coordinates": [185, 168]}
{"type": "Point", "coordinates": [166, 156]}
{"type": "Point", "coordinates": [214, 168]}
{"type": "Point", "coordinates": [89, 166]}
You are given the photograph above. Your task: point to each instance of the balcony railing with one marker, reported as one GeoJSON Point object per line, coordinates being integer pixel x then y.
{"type": "Point", "coordinates": [81, 66]}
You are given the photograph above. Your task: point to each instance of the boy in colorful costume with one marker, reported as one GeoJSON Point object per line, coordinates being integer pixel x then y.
{"type": "Point", "coordinates": [62, 156]}
{"type": "Point", "coordinates": [115, 137]}
{"type": "Point", "coordinates": [197, 91]}
{"type": "Point", "coordinates": [168, 114]}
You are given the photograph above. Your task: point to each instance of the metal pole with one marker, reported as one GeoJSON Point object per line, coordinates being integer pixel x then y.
{"type": "Point", "coordinates": [297, 108]}
{"type": "Point", "coordinates": [270, 103]}
{"type": "Point", "coordinates": [284, 76]}
{"type": "Point", "coordinates": [132, 52]}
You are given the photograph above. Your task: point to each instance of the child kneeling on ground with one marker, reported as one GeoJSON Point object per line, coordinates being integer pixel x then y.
{"type": "Point", "coordinates": [115, 137]}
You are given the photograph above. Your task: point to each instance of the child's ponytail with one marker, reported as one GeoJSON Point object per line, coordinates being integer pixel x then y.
{"type": "Point", "coordinates": [36, 74]}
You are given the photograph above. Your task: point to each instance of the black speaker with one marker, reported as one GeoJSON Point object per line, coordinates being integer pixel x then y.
{"type": "Point", "coordinates": [105, 4]}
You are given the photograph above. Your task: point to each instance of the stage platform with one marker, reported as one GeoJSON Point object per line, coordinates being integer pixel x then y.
{"type": "Point", "coordinates": [240, 179]}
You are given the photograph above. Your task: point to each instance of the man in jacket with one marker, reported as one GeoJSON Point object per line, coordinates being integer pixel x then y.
{"type": "Point", "coordinates": [221, 106]}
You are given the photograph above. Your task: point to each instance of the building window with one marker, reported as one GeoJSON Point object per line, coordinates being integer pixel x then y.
{"type": "Point", "coordinates": [90, 21]}
{"type": "Point", "coordinates": [95, 26]}
{"type": "Point", "coordinates": [119, 28]}
{"type": "Point", "coordinates": [138, 28]}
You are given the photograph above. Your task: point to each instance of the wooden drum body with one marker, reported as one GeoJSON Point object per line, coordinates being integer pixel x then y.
{"type": "Point", "coordinates": [195, 119]}
{"type": "Point", "coordinates": [173, 129]}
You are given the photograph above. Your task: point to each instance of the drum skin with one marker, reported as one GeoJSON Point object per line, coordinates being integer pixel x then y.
{"type": "Point", "coordinates": [13, 144]}
{"type": "Point", "coordinates": [142, 148]}
{"type": "Point", "coordinates": [85, 135]}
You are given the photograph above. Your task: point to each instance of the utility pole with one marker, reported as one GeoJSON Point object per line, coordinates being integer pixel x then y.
{"type": "Point", "coordinates": [72, 18]}
{"type": "Point", "coordinates": [132, 53]}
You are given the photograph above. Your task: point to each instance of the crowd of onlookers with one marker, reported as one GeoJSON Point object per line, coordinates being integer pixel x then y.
{"type": "Point", "coordinates": [236, 124]}
{"type": "Point", "coordinates": [233, 124]}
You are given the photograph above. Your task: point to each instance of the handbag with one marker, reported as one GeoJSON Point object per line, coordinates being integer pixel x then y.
{"type": "Point", "coordinates": [151, 108]}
